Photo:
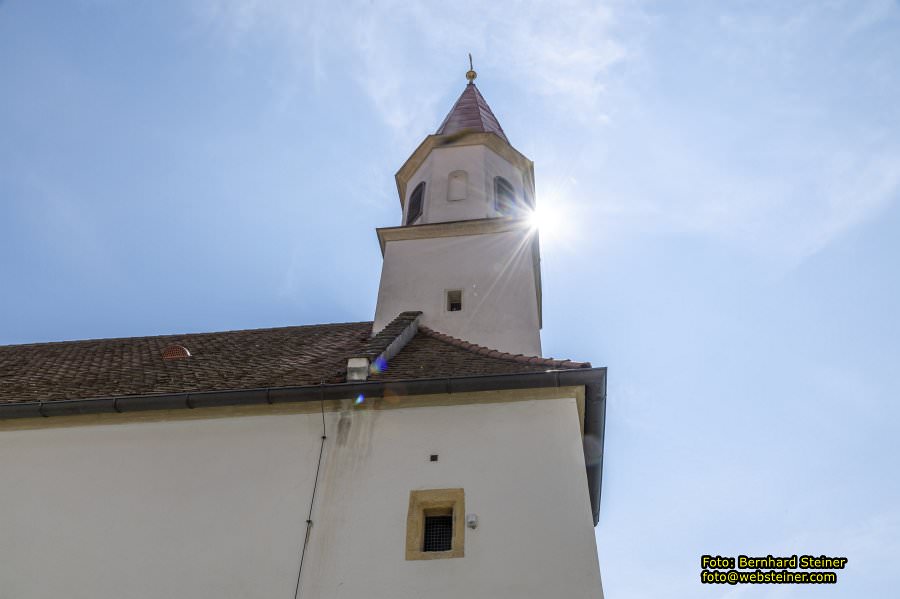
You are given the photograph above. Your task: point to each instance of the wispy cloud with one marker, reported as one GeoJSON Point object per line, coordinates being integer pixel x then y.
{"type": "Point", "coordinates": [399, 51]}
{"type": "Point", "coordinates": [787, 212]}
{"type": "Point", "coordinates": [759, 128]}
{"type": "Point", "coordinates": [818, 174]}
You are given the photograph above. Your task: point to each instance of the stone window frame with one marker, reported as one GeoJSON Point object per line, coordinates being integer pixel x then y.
{"type": "Point", "coordinates": [424, 500]}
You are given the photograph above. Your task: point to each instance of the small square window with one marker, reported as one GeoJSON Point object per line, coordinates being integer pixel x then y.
{"type": "Point", "coordinates": [454, 300]}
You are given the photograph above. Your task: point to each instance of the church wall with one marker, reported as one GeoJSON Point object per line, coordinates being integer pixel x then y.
{"type": "Point", "coordinates": [217, 507]}
{"type": "Point", "coordinates": [521, 466]}
{"type": "Point", "coordinates": [494, 271]}
{"type": "Point", "coordinates": [184, 508]}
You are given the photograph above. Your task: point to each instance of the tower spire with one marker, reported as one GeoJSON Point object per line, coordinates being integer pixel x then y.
{"type": "Point", "coordinates": [471, 74]}
{"type": "Point", "coordinates": [471, 113]}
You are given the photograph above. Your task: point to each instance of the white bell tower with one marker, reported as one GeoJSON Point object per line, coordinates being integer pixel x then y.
{"type": "Point", "coordinates": [466, 254]}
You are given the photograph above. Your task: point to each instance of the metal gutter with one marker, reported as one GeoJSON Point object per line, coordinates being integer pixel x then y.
{"type": "Point", "coordinates": [593, 380]}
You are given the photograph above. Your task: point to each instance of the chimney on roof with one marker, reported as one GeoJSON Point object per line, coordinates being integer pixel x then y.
{"type": "Point", "coordinates": [357, 369]}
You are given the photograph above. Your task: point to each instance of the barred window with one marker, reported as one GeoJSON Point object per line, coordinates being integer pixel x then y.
{"type": "Point", "coordinates": [435, 524]}
{"type": "Point", "coordinates": [438, 530]}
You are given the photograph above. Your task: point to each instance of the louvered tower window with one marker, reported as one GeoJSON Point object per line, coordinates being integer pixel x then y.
{"type": "Point", "coordinates": [415, 204]}
{"type": "Point", "coordinates": [454, 300]}
{"type": "Point", "coordinates": [504, 197]}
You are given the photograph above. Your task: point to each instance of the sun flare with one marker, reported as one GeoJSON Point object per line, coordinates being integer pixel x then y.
{"type": "Point", "coordinates": [544, 220]}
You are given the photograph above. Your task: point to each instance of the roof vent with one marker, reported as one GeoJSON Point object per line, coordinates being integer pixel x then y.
{"type": "Point", "coordinates": [175, 352]}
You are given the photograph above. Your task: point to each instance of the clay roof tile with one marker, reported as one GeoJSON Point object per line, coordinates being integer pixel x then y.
{"type": "Point", "coordinates": [278, 357]}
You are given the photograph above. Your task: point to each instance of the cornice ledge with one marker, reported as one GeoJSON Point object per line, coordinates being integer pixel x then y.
{"type": "Point", "coordinates": [459, 228]}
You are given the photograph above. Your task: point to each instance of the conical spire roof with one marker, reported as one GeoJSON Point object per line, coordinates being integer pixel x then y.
{"type": "Point", "coordinates": [471, 113]}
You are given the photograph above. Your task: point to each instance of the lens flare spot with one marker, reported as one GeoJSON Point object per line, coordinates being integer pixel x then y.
{"type": "Point", "coordinates": [359, 399]}
{"type": "Point", "coordinates": [378, 366]}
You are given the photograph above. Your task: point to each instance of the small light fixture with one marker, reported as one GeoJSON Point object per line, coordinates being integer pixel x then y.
{"type": "Point", "coordinates": [472, 521]}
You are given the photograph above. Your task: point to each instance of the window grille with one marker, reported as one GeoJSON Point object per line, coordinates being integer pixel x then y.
{"type": "Point", "coordinates": [438, 533]}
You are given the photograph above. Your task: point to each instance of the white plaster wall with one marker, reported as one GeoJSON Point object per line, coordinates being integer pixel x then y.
{"type": "Point", "coordinates": [200, 509]}
{"type": "Point", "coordinates": [482, 165]}
{"type": "Point", "coordinates": [495, 272]}
{"type": "Point", "coordinates": [217, 508]}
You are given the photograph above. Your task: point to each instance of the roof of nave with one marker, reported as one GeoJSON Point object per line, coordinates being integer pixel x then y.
{"type": "Point", "coordinates": [247, 359]}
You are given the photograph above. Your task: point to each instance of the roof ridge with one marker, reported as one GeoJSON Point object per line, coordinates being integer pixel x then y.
{"type": "Point", "coordinates": [493, 353]}
{"type": "Point", "coordinates": [380, 342]}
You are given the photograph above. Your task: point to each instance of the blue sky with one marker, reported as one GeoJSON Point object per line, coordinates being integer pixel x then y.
{"type": "Point", "coordinates": [724, 178]}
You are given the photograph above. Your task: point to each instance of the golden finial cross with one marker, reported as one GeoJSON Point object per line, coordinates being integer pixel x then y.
{"type": "Point", "coordinates": [471, 74]}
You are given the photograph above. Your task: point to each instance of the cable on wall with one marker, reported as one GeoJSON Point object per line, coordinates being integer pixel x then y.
{"type": "Point", "coordinates": [312, 502]}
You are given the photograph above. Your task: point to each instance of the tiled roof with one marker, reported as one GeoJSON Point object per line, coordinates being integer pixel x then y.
{"type": "Point", "coordinates": [471, 113]}
{"type": "Point", "coordinates": [134, 366]}
{"type": "Point", "coordinates": [279, 357]}
{"type": "Point", "coordinates": [433, 354]}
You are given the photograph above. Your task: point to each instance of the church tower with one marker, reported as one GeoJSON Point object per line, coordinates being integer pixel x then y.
{"type": "Point", "coordinates": [466, 253]}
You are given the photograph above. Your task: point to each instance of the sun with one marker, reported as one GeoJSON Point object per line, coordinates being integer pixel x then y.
{"type": "Point", "coordinates": [544, 220]}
